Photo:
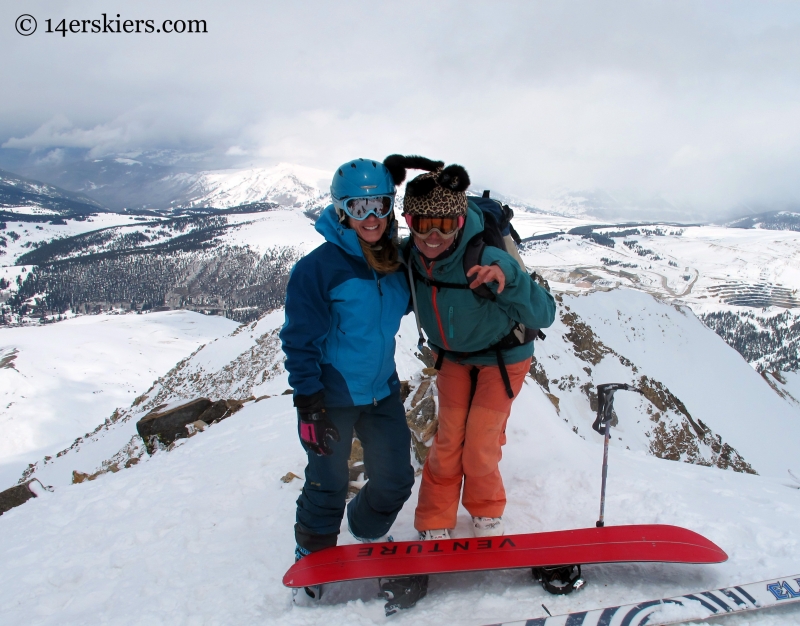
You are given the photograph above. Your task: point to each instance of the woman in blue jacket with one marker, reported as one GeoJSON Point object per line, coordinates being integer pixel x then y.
{"type": "Point", "coordinates": [344, 302]}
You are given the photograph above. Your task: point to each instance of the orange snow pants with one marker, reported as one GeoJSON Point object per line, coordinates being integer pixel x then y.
{"type": "Point", "coordinates": [467, 445]}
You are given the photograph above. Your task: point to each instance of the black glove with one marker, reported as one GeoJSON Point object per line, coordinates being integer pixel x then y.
{"type": "Point", "coordinates": [314, 424]}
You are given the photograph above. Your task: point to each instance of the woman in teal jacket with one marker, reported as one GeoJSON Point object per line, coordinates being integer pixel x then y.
{"type": "Point", "coordinates": [482, 347]}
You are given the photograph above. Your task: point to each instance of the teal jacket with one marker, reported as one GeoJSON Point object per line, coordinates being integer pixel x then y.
{"type": "Point", "coordinates": [459, 321]}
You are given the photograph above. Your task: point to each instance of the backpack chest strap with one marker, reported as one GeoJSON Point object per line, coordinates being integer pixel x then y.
{"type": "Point", "coordinates": [430, 282]}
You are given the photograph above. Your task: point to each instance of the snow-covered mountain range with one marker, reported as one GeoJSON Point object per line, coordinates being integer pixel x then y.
{"type": "Point", "coordinates": [285, 185]}
{"type": "Point", "coordinates": [22, 195]}
{"type": "Point", "coordinates": [726, 274]}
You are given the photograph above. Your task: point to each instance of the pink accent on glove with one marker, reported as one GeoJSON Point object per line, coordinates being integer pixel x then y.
{"type": "Point", "coordinates": [308, 433]}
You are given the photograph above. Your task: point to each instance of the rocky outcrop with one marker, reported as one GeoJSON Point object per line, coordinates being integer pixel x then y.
{"type": "Point", "coordinates": [585, 343]}
{"type": "Point", "coordinates": [19, 494]}
{"type": "Point", "coordinates": [160, 427]}
{"type": "Point", "coordinates": [260, 362]}
{"type": "Point", "coordinates": [357, 471]}
{"type": "Point", "coordinates": [422, 417]}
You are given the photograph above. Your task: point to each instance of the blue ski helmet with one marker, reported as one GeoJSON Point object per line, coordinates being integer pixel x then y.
{"type": "Point", "coordinates": [361, 178]}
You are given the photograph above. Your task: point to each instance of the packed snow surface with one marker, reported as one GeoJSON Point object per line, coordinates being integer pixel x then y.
{"type": "Point", "coordinates": [59, 381]}
{"type": "Point", "coordinates": [203, 534]}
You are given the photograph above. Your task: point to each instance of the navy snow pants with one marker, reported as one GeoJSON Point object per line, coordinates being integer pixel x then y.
{"type": "Point", "coordinates": [386, 441]}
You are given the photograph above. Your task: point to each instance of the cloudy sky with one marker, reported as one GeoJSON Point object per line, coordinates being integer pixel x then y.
{"type": "Point", "coordinates": [697, 102]}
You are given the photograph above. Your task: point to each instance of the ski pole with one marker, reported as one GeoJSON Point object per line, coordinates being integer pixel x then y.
{"type": "Point", "coordinates": [600, 522]}
{"type": "Point", "coordinates": [602, 425]}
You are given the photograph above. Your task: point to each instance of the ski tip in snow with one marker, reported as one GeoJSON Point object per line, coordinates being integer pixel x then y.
{"type": "Point", "coordinates": [692, 606]}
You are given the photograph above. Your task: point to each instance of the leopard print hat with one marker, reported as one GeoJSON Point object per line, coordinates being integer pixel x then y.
{"type": "Point", "coordinates": [440, 192]}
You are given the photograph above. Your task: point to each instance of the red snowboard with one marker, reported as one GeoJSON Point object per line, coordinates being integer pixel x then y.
{"type": "Point", "coordinates": [612, 544]}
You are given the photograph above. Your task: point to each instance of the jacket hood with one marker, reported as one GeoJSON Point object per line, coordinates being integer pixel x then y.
{"type": "Point", "coordinates": [329, 227]}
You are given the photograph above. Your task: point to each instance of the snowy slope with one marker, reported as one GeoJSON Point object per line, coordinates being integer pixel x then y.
{"type": "Point", "coordinates": [259, 230]}
{"type": "Point", "coordinates": [62, 380]}
{"type": "Point", "coordinates": [23, 236]}
{"type": "Point", "coordinates": [203, 534]}
{"type": "Point", "coordinates": [672, 348]}
{"type": "Point", "coordinates": [282, 227]}
{"type": "Point", "coordinates": [702, 403]}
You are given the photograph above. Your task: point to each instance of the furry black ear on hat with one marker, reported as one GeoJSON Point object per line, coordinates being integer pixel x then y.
{"type": "Point", "coordinates": [420, 186]}
{"type": "Point", "coordinates": [397, 164]}
{"type": "Point", "coordinates": [454, 178]}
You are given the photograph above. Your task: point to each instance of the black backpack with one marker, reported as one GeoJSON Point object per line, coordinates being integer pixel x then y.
{"type": "Point", "coordinates": [496, 227]}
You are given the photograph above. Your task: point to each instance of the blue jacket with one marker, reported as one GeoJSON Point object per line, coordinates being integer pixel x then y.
{"type": "Point", "coordinates": [341, 320]}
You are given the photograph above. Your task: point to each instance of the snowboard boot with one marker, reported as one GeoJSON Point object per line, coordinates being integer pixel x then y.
{"type": "Point", "coordinates": [436, 534]}
{"type": "Point", "coordinates": [488, 526]}
{"type": "Point", "coordinates": [559, 580]}
{"type": "Point", "coordinates": [307, 596]}
{"type": "Point", "coordinates": [308, 542]}
{"type": "Point", "coordinates": [403, 592]}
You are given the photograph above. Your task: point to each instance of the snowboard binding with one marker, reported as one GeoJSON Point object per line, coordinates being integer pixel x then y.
{"type": "Point", "coordinates": [306, 596]}
{"type": "Point", "coordinates": [559, 580]}
{"type": "Point", "coordinates": [403, 592]}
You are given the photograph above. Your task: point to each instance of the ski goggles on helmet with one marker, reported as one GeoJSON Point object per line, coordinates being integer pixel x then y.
{"type": "Point", "coordinates": [361, 208]}
{"type": "Point", "coordinates": [422, 226]}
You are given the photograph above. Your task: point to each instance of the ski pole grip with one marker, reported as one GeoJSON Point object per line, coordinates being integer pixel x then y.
{"type": "Point", "coordinates": [605, 405]}
{"type": "Point", "coordinates": [598, 426]}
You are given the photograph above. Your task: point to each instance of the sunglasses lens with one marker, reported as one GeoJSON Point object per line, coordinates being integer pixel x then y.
{"type": "Point", "coordinates": [360, 208]}
{"type": "Point", "coordinates": [423, 225]}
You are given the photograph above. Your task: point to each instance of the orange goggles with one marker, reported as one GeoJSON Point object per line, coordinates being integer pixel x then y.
{"type": "Point", "coordinates": [423, 226]}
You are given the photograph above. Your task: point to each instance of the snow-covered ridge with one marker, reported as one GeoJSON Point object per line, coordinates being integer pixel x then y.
{"type": "Point", "coordinates": [17, 192]}
{"type": "Point", "coordinates": [699, 399]}
{"type": "Point", "coordinates": [284, 184]}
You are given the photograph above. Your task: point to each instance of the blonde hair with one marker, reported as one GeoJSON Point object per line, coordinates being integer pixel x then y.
{"type": "Point", "coordinates": [382, 255]}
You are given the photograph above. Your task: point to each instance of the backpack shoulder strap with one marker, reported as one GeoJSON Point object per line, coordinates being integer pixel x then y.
{"type": "Point", "coordinates": [407, 252]}
{"type": "Point", "coordinates": [473, 255]}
